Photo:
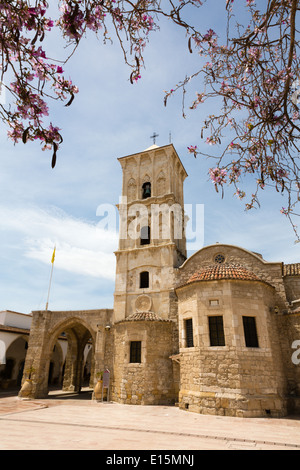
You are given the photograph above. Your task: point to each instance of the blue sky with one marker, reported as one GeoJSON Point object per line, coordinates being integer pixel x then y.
{"type": "Point", "coordinates": [110, 118]}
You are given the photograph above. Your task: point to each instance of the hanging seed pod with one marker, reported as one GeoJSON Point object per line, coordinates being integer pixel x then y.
{"type": "Point", "coordinates": [55, 147]}
{"type": "Point", "coordinates": [17, 35]}
{"type": "Point", "coordinates": [70, 100]}
{"type": "Point", "coordinates": [25, 135]}
{"type": "Point", "coordinates": [35, 38]}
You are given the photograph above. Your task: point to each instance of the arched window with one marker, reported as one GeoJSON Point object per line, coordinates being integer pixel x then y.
{"type": "Point", "coordinates": [144, 280]}
{"type": "Point", "coordinates": [145, 235]}
{"type": "Point", "coordinates": [146, 190]}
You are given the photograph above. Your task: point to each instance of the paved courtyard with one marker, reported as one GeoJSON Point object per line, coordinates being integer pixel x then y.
{"type": "Point", "coordinates": [76, 422]}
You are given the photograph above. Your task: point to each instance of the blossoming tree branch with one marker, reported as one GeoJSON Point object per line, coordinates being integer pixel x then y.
{"type": "Point", "coordinates": [36, 78]}
{"type": "Point", "coordinates": [255, 78]}
{"type": "Point", "coordinates": [252, 74]}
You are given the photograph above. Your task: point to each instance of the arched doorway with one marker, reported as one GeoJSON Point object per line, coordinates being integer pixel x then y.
{"type": "Point", "coordinates": [65, 350]}
{"type": "Point", "coordinates": [71, 342]}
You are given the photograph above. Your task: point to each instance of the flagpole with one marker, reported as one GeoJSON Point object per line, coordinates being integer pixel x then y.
{"type": "Point", "coordinates": [52, 262]}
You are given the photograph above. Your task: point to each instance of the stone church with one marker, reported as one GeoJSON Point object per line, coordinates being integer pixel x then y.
{"type": "Point", "coordinates": [216, 333]}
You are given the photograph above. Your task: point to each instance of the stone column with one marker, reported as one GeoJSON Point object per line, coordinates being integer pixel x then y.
{"type": "Point", "coordinates": [38, 357]}
{"type": "Point", "coordinates": [69, 373]}
{"type": "Point", "coordinates": [99, 351]}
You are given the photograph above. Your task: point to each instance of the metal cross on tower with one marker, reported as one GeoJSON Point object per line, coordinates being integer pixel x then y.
{"type": "Point", "coordinates": [154, 137]}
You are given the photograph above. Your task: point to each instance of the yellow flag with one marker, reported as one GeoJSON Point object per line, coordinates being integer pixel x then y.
{"type": "Point", "coordinates": [53, 256]}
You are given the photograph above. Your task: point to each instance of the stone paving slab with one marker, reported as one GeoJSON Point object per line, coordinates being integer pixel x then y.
{"type": "Point", "coordinates": [15, 405]}
{"type": "Point", "coordinates": [60, 424]}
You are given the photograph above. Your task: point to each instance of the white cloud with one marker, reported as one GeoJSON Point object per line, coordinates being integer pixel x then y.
{"type": "Point", "coordinates": [81, 247]}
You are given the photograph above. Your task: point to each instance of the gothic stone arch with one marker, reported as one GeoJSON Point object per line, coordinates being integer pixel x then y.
{"type": "Point", "coordinates": [79, 327]}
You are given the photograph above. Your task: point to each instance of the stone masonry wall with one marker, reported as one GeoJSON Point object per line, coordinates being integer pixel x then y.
{"type": "Point", "coordinates": [289, 330]}
{"type": "Point", "coordinates": [292, 286]}
{"type": "Point", "coordinates": [233, 379]}
{"type": "Point", "coordinates": [151, 381]}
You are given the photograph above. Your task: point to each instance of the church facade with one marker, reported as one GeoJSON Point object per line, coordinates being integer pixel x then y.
{"type": "Point", "coordinates": [215, 333]}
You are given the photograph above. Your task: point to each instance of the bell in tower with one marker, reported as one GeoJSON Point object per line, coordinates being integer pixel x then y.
{"type": "Point", "coordinates": [146, 190]}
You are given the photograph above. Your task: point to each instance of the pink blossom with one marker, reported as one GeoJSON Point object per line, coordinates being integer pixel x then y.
{"type": "Point", "coordinates": [284, 211]}
{"type": "Point", "coordinates": [240, 194]}
{"type": "Point", "coordinates": [218, 175]}
{"type": "Point", "coordinates": [211, 140]}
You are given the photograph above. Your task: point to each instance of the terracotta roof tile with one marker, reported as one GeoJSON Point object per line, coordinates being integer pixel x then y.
{"type": "Point", "coordinates": [150, 316]}
{"type": "Point", "coordinates": [223, 271]}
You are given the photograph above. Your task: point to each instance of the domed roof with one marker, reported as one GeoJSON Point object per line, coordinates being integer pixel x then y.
{"type": "Point", "coordinates": [152, 147]}
{"type": "Point", "coordinates": [223, 271]}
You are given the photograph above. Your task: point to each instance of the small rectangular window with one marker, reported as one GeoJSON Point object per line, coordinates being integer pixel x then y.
{"type": "Point", "coordinates": [250, 332]}
{"type": "Point", "coordinates": [135, 351]}
{"type": "Point", "coordinates": [216, 331]}
{"type": "Point", "coordinates": [144, 279]}
{"type": "Point", "coordinates": [189, 333]}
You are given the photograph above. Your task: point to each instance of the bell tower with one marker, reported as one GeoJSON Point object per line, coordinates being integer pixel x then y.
{"type": "Point", "coordinates": [152, 240]}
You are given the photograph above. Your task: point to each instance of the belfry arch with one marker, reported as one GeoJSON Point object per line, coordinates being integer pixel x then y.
{"type": "Point", "coordinates": [76, 330]}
